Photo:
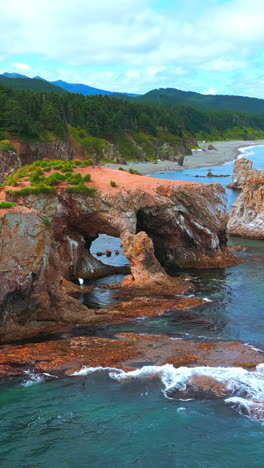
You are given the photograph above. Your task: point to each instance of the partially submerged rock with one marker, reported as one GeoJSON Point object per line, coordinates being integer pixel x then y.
{"type": "Point", "coordinates": [128, 351]}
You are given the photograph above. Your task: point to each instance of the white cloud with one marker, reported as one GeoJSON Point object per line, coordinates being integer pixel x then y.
{"type": "Point", "coordinates": [130, 32]}
{"type": "Point", "coordinates": [153, 48]}
{"type": "Point", "coordinates": [210, 91]}
{"type": "Point", "coordinates": [20, 66]}
{"type": "Point", "coordinates": [224, 65]}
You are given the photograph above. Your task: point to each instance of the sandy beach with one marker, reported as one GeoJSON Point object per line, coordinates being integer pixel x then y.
{"type": "Point", "coordinates": [224, 151]}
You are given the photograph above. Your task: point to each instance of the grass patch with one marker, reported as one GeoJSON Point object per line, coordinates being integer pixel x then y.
{"type": "Point", "coordinates": [26, 191]}
{"type": "Point", "coordinates": [83, 189]}
{"type": "Point", "coordinates": [113, 183]}
{"type": "Point", "coordinates": [6, 204]}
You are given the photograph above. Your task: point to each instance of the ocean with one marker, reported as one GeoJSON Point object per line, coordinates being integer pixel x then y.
{"type": "Point", "coordinates": [99, 419]}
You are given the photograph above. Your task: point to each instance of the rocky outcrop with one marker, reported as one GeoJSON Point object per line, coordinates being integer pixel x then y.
{"type": "Point", "coordinates": [9, 162]}
{"type": "Point", "coordinates": [147, 272]}
{"type": "Point", "coordinates": [48, 237]}
{"type": "Point", "coordinates": [242, 169]}
{"type": "Point", "coordinates": [31, 152]}
{"type": "Point", "coordinates": [247, 215]}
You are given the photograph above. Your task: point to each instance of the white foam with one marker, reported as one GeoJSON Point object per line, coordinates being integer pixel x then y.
{"type": "Point", "coordinates": [81, 281]}
{"type": "Point", "coordinates": [236, 380]}
{"type": "Point", "coordinates": [254, 347]}
{"type": "Point", "coordinates": [206, 299]}
{"type": "Point", "coordinates": [33, 379]}
{"type": "Point", "coordinates": [246, 151]}
{"type": "Point", "coordinates": [250, 409]}
{"type": "Point", "coordinates": [85, 370]}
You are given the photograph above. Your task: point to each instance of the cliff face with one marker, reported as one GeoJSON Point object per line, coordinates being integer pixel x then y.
{"type": "Point", "coordinates": [9, 162]}
{"type": "Point", "coordinates": [47, 237]}
{"type": "Point", "coordinates": [27, 153]}
{"type": "Point", "coordinates": [247, 215]}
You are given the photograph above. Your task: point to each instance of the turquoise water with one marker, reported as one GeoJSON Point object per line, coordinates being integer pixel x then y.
{"type": "Point", "coordinates": [95, 421]}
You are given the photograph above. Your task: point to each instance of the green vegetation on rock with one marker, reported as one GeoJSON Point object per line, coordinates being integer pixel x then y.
{"type": "Point", "coordinates": [6, 205]}
{"type": "Point", "coordinates": [6, 145]}
{"type": "Point", "coordinates": [41, 182]}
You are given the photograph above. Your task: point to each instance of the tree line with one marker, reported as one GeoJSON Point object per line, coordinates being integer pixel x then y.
{"type": "Point", "coordinates": [30, 115]}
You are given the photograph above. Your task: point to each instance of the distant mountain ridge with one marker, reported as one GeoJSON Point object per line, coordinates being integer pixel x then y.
{"type": "Point", "coordinates": [203, 102]}
{"type": "Point", "coordinates": [71, 87]}
{"type": "Point", "coordinates": [80, 88]}
{"type": "Point", "coordinates": [33, 84]}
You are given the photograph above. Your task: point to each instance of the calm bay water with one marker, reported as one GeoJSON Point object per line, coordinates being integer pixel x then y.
{"type": "Point", "coordinates": [93, 421]}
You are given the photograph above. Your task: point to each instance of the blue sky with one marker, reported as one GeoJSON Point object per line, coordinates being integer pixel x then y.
{"type": "Point", "coordinates": [209, 46]}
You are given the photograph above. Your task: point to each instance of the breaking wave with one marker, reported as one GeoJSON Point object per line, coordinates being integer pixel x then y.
{"type": "Point", "coordinates": [245, 389]}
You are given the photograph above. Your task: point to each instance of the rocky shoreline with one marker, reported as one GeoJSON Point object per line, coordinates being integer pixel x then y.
{"type": "Point", "coordinates": [162, 224]}
{"type": "Point", "coordinates": [223, 151]}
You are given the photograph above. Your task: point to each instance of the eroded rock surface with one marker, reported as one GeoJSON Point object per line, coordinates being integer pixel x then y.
{"type": "Point", "coordinates": [126, 351]}
{"type": "Point", "coordinates": [48, 237]}
{"type": "Point", "coordinates": [242, 169]}
{"type": "Point", "coordinates": [247, 216]}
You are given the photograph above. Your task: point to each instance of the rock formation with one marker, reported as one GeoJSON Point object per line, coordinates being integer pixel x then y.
{"type": "Point", "coordinates": [242, 169]}
{"type": "Point", "coordinates": [247, 216]}
{"type": "Point", "coordinates": [47, 237]}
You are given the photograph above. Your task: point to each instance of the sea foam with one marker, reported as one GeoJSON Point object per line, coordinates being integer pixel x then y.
{"type": "Point", "coordinates": [246, 388]}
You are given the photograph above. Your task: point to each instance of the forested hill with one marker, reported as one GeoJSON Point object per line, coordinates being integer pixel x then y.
{"type": "Point", "coordinates": [203, 102]}
{"type": "Point", "coordinates": [162, 96]}
{"type": "Point", "coordinates": [33, 84]}
{"type": "Point", "coordinates": [131, 126]}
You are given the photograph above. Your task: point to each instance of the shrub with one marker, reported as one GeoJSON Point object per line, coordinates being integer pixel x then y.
{"type": "Point", "coordinates": [53, 179]}
{"type": "Point", "coordinates": [35, 176]}
{"type": "Point", "coordinates": [6, 204]}
{"type": "Point", "coordinates": [74, 179]}
{"type": "Point", "coordinates": [6, 145]}
{"type": "Point", "coordinates": [87, 178]}
{"type": "Point", "coordinates": [133, 171]}
{"type": "Point", "coordinates": [121, 169]}
{"type": "Point", "coordinates": [113, 183]}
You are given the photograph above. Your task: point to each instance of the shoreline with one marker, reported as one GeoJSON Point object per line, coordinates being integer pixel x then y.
{"type": "Point", "coordinates": [225, 151]}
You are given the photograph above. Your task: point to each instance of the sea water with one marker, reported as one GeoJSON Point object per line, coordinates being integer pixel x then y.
{"type": "Point", "coordinates": [99, 419]}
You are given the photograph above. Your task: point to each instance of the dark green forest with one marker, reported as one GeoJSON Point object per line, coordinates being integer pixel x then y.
{"type": "Point", "coordinates": [47, 116]}
{"type": "Point", "coordinates": [32, 84]}
{"type": "Point", "coordinates": [203, 102]}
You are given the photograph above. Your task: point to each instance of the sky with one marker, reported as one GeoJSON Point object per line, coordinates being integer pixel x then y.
{"type": "Point", "coordinates": [208, 46]}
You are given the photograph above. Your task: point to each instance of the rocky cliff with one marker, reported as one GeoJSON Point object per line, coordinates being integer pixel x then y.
{"type": "Point", "coordinates": [247, 216]}
{"type": "Point", "coordinates": [27, 153]}
{"type": "Point", "coordinates": [47, 237]}
{"type": "Point", "coordinates": [242, 169]}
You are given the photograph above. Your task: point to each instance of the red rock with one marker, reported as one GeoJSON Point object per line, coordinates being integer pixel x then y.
{"type": "Point", "coordinates": [181, 224]}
